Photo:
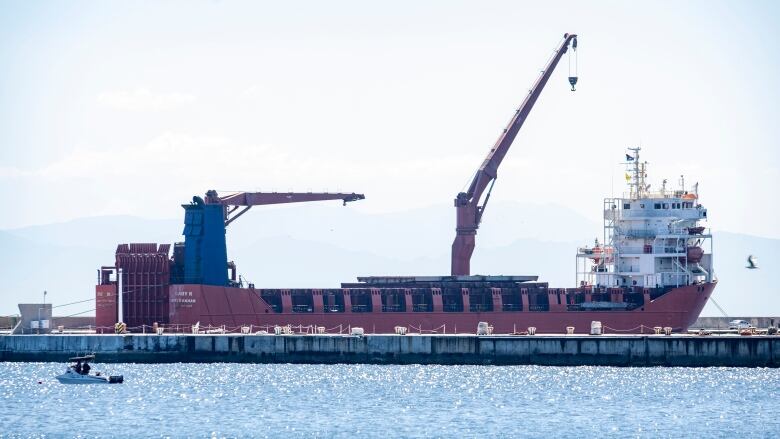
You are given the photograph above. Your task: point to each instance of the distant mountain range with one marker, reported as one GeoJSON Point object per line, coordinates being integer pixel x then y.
{"type": "Point", "coordinates": [323, 245]}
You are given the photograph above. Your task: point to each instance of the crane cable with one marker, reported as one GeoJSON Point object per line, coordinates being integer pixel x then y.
{"type": "Point", "coordinates": [541, 72]}
{"type": "Point", "coordinates": [78, 313]}
{"type": "Point", "coordinates": [719, 308]}
{"type": "Point", "coordinates": [573, 75]}
{"type": "Point", "coordinates": [73, 303]}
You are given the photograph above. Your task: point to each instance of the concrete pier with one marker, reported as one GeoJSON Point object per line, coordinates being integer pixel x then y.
{"type": "Point", "coordinates": [563, 350]}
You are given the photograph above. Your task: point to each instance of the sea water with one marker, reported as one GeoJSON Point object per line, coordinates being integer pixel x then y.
{"type": "Point", "coordinates": [365, 401]}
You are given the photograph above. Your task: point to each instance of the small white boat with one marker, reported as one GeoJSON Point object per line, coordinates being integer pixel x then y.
{"type": "Point", "coordinates": [78, 373]}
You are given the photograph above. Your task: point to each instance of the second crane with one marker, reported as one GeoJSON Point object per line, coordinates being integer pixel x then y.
{"type": "Point", "coordinates": [469, 211]}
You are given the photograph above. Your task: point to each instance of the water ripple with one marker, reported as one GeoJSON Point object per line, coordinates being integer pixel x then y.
{"type": "Point", "coordinates": [256, 400]}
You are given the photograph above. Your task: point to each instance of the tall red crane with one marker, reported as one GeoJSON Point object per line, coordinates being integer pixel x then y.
{"type": "Point", "coordinates": [468, 210]}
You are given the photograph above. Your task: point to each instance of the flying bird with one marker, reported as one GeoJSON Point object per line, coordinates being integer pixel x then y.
{"type": "Point", "coordinates": [752, 262]}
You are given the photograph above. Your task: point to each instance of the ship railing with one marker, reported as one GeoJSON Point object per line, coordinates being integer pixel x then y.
{"type": "Point", "coordinates": [422, 307]}
{"type": "Point", "coordinates": [361, 308]}
{"type": "Point", "coordinates": [685, 232]}
{"type": "Point", "coordinates": [392, 308]}
{"type": "Point", "coordinates": [302, 308]}
{"type": "Point", "coordinates": [479, 307]}
{"type": "Point", "coordinates": [653, 250]}
{"type": "Point", "coordinates": [656, 194]}
{"type": "Point", "coordinates": [452, 308]}
{"type": "Point", "coordinates": [638, 233]}
{"type": "Point", "coordinates": [334, 308]}
{"type": "Point", "coordinates": [538, 307]}
{"type": "Point", "coordinates": [652, 233]}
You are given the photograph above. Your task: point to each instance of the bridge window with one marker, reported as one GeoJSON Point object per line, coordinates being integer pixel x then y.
{"type": "Point", "coordinates": [657, 205]}
{"type": "Point", "coordinates": [626, 206]}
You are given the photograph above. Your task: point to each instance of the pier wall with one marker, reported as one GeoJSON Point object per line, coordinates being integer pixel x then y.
{"type": "Point", "coordinates": [572, 350]}
{"type": "Point", "coordinates": [723, 322]}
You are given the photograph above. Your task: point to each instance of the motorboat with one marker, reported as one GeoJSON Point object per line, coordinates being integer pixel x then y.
{"type": "Point", "coordinates": [78, 370]}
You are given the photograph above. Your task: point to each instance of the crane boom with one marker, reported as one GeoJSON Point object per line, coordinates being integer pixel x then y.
{"type": "Point", "coordinates": [468, 210]}
{"type": "Point", "coordinates": [202, 258]}
{"type": "Point", "coordinates": [233, 201]}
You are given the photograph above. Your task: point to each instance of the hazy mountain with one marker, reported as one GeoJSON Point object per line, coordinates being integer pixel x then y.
{"type": "Point", "coordinates": [410, 234]}
{"type": "Point", "coordinates": [27, 268]}
{"type": "Point", "coordinates": [324, 245]}
{"type": "Point", "coordinates": [102, 232]}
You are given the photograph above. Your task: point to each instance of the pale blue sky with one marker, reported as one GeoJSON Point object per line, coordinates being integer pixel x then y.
{"type": "Point", "coordinates": [133, 107]}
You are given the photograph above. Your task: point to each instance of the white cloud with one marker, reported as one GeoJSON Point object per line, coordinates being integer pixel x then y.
{"type": "Point", "coordinates": [170, 154]}
{"type": "Point", "coordinates": [142, 99]}
{"type": "Point", "coordinates": [11, 172]}
{"type": "Point", "coordinates": [152, 178]}
{"type": "Point", "coordinates": [222, 159]}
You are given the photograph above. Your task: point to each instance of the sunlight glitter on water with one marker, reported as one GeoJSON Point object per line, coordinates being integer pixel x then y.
{"type": "Point", "coordinates": [256, 400]}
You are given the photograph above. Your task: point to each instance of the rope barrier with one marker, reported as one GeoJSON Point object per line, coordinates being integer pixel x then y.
{"type": "Point", "coordinates": [294, 329]}
{"type": "Point", "coordinates": [640, 327]}
{"type": "Point", "coordinates": [429, 331]}
{"type": "Point", "coordinates": [331, 329]}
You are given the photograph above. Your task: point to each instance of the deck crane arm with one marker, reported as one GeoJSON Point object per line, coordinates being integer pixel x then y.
{"type": "Point", "coordinates": [202, 257]}
{"type": "Point", "coordinates": [235, 201]}
{"type": "Point", "coordinates": [468, 210]}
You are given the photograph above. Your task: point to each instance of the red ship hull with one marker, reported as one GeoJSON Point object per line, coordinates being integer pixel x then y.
{"type": "Point", "coordinates": [233, 307]}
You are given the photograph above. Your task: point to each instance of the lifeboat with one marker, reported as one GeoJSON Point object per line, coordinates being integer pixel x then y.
{"type": "Point", "coordinates": [695, 254]}
{"type": "Point", "coordinates": [695, 230]}
{"type": "Point", "coordinates": [689, 197]}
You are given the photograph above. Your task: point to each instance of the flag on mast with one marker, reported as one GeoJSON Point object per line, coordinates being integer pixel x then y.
{"type": "Point", "coordinates": [629, 158]}
{"type": "Point", "coordinates": [628, 177]}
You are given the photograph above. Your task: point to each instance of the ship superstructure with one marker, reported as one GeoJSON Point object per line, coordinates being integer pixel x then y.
{"type": "Point", "coordinates": [651, 238]}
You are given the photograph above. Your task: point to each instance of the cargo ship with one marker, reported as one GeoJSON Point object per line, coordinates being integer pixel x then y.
{"type": "Point", "coordinates": [652, 268]}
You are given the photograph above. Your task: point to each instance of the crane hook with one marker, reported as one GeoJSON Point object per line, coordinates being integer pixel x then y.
{"type": "Point", "coordinates": [573, 78]}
